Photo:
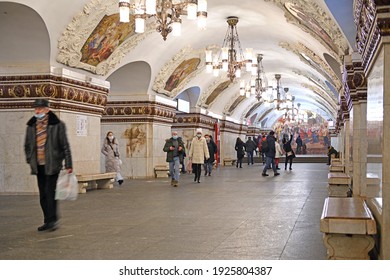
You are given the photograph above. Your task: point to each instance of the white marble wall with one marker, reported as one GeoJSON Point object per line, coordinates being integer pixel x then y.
{"type": "Point", "coordinates": [141, 147]}
{"type": "Point", "coordinates": [228, 142]}
{"type": "Point", "coordinates": [15, 174]}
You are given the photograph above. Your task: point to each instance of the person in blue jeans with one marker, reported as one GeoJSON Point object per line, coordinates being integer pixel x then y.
{"type": "Point", "coordinates": [174, 147]}
{"type": "Point", "coordinates": [270, 155]}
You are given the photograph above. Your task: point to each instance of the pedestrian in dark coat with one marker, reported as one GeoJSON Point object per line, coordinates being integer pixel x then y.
{"type": "Point", "coordinates": [240, 148]}
{"type": "Point", "coordinates": [208, 166]}
{"type": "Point", "coordinates": [289, 152]}
{"type": "Point", "coordinates": [250, 147]}
{"type": "Point", "coordinates": [270, 155]}
{"type": "Point", "coordinates": [46, 148]}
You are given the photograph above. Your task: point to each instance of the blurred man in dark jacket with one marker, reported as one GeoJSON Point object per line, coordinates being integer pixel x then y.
{"type": "Point", "coordinates": [46, 147]}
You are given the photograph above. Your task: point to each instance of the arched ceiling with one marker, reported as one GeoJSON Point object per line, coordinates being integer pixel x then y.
{"type": "Point", "coordinates": [303, 40]}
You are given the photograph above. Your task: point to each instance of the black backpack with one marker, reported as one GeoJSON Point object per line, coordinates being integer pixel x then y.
{"type": "Point", "coordinates": [264, 146]}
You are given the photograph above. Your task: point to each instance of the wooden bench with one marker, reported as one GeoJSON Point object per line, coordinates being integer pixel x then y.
{"type": "Point", "coordinates": [339, 184]}
{"type": "Point", "coordinates": [229, 161]}
{"type": "Point", "coordinates": [348, 227]}
{"type": "Point", "coordinates": [95, 181]}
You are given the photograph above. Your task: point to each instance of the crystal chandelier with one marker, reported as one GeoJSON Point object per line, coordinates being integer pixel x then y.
{"type": "Point", "coordinates": [280, 100]}
{"type": "Point", "coordinates": [231, 57]}
{"type": "Point", "coordinates": [260, 84]}
{"type": "Point", "coordinates": [167, 13]}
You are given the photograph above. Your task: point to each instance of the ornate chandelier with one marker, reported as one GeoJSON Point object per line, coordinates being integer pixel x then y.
{"type": "Point", "coordinates": [280, 100]}
{"type": "Point", "coordinates": [167, 13]}
{"type": "Point", "coordinates": [260, 84]}
{"type": "Point", "coordinates": [231, 57]}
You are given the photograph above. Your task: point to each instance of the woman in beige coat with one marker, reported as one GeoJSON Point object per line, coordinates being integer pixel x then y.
{"type": "Point", "coordinates": [198, 153]}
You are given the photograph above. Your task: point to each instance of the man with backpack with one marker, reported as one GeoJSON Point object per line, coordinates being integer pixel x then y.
{"type": "Point", "coordinates": [268, 147]}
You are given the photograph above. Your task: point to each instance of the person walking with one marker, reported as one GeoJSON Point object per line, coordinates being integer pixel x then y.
{"type": "Point", "coordinates": [110, 149]}
{"type": "Point", "coordinates": [289, 152]}
{"type": "Point", "coordinates": [278, 153]}
{"type": "Point", "coordinates": [262, 138]}
{"type": "Point", "coordinates": [250, 147]}
{"type": "Point", "coordinates": [46, 147]}
{"type": "Point", "coordinates": [270, 154]}
{"type": "Point", "coordinates": [208, 166]}
{"type": "Point", "coordinates": [174, 147]}
{"type": "Point", "coordinates": [299, 144]}
{"type": "Point", "coordinates": [240, 148]}
{"type": "Point", "coordinates": [198, 153]}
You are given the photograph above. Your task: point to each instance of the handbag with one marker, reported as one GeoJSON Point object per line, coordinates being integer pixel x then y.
{"type": "Point", "coordinates": [189, 166]}
{"type": "Point", "coordinates": [67, 186]}
{"type": "Point", "coordinates": [289, 154]}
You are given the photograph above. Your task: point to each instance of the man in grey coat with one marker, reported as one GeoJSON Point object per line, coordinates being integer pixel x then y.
{"type": "Point", "coordinates": [46, 147]}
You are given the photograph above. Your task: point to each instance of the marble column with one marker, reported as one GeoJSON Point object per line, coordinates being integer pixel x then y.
{"type": "Point", "coordinates": [385, 230]}
{"type": "Point", "coordinates": [356, 99]}
{"type": "Point", "coordinates": [373, 44]}
{"type": "Point", "coordinates": [75, 98]}
{"type": "Point", "coordinates": [141, 128]}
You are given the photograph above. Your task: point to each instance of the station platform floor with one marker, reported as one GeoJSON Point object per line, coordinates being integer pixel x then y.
{"type": "Point", "coordinates": [235, 214]}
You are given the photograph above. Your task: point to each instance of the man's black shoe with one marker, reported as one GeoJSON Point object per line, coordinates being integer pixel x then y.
{"type": "Point", "coordinates": [48, 226]}
{"type": "Point", "coordinates": [276, 174]}
{"type": "Point", "coordinates": [42, 227]}
{"type": "Point", "coordinates": [264, 174]}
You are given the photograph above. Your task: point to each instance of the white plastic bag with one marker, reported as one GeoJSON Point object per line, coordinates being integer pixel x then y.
{"type": "Point", "coordinates": [67, 187]}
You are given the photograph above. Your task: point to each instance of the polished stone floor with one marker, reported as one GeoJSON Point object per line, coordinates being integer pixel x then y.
{"type": "Point", "coordinates": [234, 214]}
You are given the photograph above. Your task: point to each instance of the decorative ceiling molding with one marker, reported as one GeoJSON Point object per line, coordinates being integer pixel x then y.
{"type": "Point", "coordinates": [77, 32]}
{"type": "Point", "coordinates": [168, 69]}
{"type": "Point", "coordinates": [322, 22]}
{"type": "Point", "coordinates": [321, 98]}
{"type": "Point", "coordinates": [318, 82]}
{"type": "Point", "coordinates": [254, 104]}
{"type": "Point", "coordinates": [215, 84]}
{"type": "Point", "coordinates": [232, 105]}
{"type": "Point", "coordinates": [315, 62]}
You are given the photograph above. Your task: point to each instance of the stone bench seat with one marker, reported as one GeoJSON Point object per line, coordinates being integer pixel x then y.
{"type": "Point", "coordinates": [161, 171]}
{"type": "Point", "coordinates": [95, 181]}
{"type": "Point", "coordinates": [348, 226]}
{"type": "Point", "coordinates": [339, 178]}
{"type": "Point", "coordinates": [229, 161]}
{"type": "Point", "coordinates": [336, 167]}
{"type": "Point", "coordinates": [339, 184]}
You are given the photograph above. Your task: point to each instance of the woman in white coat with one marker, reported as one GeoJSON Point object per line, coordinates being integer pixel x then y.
{"type": "Point", "coordinates": [198, 153]}
{"type": "Point", "coordinates": [278, 153]}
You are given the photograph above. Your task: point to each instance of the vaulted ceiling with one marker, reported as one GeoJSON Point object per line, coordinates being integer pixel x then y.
{"type": "Point", "coordinates": [303, 40]}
